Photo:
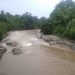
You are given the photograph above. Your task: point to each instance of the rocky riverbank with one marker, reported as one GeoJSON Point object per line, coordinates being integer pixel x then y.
{"type": "Point", "coordinates": [58, 42]}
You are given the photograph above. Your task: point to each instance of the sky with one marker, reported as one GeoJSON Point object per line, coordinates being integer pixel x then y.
{"type": "Point", "coordinates": [37, 8]}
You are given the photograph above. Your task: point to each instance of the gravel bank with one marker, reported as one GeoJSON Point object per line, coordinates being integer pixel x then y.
{"type": "Point", "coordinates": [58, 42]}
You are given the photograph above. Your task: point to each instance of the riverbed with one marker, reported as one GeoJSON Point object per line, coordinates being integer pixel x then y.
{"type": "Point", "coordinates": [32, 56]}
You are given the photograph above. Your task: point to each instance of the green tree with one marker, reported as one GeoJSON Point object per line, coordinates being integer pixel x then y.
{"type": "Point", "coordinates": [3, 29]}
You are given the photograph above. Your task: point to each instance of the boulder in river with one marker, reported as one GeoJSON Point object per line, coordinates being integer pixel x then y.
{"type": "Point", "coordinates": [2, 51]}
{"type": "Point", "coordinates": [11, 43]}
{"type": "Point", "coordinates": [17, 51]}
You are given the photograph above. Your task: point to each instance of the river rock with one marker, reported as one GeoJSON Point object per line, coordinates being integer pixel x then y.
{"type": "Point", "coordinates": [17, 51]}
{"type": "Point", "coordinates": [11, 43]}
{"type": "Point", "coordinates": [2, 50]}
{"type": "Point", "coordinates": [5, 40]}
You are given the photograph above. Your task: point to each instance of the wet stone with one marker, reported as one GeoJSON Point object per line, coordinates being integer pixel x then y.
{"type": "Point", "coordinates": [17, 51]}
{"type": "Point", "coordinates": [11, 43]}
{"type": "Point", "coordinates": [5, 40]}
{"type": "Point", "coordinates": [2, 51]}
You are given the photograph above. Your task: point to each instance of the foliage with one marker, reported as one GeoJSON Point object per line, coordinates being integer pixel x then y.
{"type": "Point", "coordinates": [46, 28]}
{"type": "Point", "coordinates": [3, 29]}
{"type": "Point", "coordinates": [62, 20]}
{"type": "Point", "coordinates": [10, 22]}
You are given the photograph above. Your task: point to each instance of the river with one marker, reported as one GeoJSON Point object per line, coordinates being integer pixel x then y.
{"type": "Point", "coordinates": [35, 56]}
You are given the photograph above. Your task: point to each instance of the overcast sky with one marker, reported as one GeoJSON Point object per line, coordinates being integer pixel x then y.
{"type": "Point", "coordinates": [36, 7]}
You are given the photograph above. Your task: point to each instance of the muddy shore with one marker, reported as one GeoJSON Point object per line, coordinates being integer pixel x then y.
{"type": "Point", "coordinates": [58, 42]}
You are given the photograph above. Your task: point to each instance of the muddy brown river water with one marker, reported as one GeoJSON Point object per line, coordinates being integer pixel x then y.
{"type": "Point", "coordinates": [34, 56]}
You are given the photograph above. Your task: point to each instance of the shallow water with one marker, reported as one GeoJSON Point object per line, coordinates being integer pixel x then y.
{"type": "Point", "coordinates": [35, 57]}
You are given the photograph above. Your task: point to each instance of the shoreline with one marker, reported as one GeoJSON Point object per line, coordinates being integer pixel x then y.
{"type": "Point", "coordinates": [57, 42]}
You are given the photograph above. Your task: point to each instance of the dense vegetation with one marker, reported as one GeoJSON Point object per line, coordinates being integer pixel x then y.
{"type": "Point", "coordinates": [62, 20]}
{"type": "Point", "coordinates": [17, 22]}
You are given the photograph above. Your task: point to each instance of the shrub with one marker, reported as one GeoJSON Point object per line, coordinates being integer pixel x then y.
{"type": "Point", "coordinates": [46, 28]}
{"type": "Point", "coordinates": [3, 29]}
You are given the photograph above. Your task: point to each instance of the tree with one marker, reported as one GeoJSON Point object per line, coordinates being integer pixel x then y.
{"type": "Point", "coordinates": [10, 22]}
{"type": "Point", "coordinates": [61, 18]}
{"type": "Point", "coordinates": [2, 17]}
{"type": "Point", "coordinates": [3, 29]}
{"type": "Point", "coordinates": [46, 28]}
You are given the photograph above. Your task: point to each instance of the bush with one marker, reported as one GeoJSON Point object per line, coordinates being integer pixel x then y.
{"type": "Point", "coordinates": [72, 33]}
{"type": "Point", "coordinates": [59, 30]}
{"type": "Point", "coordinates": [46, 28]}
{"type": "Point", "coordinates": [3, 29]}
{"type": "Point", "coordinates": [72, 29]}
